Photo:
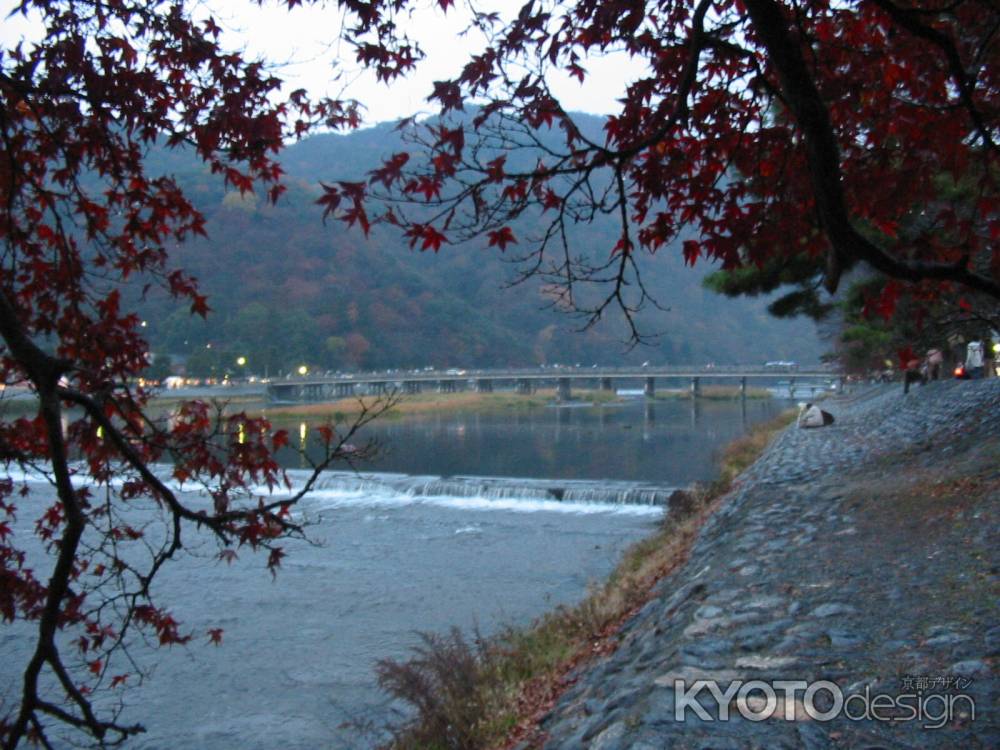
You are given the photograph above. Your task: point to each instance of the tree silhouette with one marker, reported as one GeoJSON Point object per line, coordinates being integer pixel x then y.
{"type": "Point", "coordinates": [81, 215]}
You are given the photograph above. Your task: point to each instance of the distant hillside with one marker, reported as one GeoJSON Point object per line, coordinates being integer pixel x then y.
{"type": "Point", "coordinates": [287, 289]}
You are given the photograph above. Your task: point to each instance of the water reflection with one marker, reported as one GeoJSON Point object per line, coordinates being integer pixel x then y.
{"type": "Point", "coordinates": [303, 445]}
{"type": "Point", "coordinates": [672, 440]}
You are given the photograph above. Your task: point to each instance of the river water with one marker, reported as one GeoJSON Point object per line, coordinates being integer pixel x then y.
{"type": "Point", "coordinates": [468, 520]}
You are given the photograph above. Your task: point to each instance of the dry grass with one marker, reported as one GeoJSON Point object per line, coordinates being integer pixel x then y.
{"type": "Point", "coordinates": [492, 694]}
{"type": "Point", "coordinates": [427, 403]}
{"type": "Point", "coordinates": [732, 391]}
{"type": "Point", "coordinates": [740, 453]}
{"type": "Point", "coordinates": [420, 403]}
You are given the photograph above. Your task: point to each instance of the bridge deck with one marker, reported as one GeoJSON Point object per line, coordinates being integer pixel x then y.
{"type": "Point", "coordinates": [724, 373]}
{"type": "Point", "coordinates": [319, 389]}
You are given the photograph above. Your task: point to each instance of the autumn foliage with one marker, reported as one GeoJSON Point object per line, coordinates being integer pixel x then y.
{"type": "Point", "coordinates": [761, 132]}
{"type": "Point", "coordinates": [80, 216]}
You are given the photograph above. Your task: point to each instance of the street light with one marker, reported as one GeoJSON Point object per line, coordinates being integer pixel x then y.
{"type": "Point", "coordinates": [241, 361]}
{"type": "Point", "coordinates": [303, 370]}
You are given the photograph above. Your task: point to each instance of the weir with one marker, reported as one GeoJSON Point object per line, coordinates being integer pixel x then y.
{"type": "Point", "coordinates": [496, 488]}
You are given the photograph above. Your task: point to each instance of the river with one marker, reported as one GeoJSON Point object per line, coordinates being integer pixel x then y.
{"type": "Point", "coordinates": [467, 519]}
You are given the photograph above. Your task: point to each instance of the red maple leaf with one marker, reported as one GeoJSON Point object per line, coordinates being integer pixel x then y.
{"type": "Point", "coordinates": [692, 251]}
{"type": "Point", "coordinates": [279, 439]}
{"type": "Point", "coordinates": [199, 305]}
{"type": "Point", "coordinates": [433, 239]}
{"type": "Point", "coordinates": [624, 245]}
{"type": "Point", "coordinates": [495, 169]}
{"type": "Point", "coordinates": [502, 237]}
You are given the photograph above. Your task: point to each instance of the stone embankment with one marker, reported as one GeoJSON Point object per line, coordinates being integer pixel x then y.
{"type": "Point", "coordinates": [862, 555]}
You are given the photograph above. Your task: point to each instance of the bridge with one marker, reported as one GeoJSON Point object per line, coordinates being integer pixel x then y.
{"type": "Point", "coordinates": [527, 380]}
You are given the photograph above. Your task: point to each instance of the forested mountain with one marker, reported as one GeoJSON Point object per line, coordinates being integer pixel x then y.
{"type": "Point", "coordinates": [286, 289]}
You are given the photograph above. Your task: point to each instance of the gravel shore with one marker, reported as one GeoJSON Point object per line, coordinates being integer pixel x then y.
{"type": "Point", "coordinates": [863, 555]}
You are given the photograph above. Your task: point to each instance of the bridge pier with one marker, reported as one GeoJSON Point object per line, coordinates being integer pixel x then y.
{"type": "Point", "coordinates": [525, 386]}
{"type": "Point", "coordinates": [791, 388]}
{"type": "Point", "coordinates": [446, 386]}
{"type": "Point", "coordinates": [606, 384]}
{"type": "Point", "coordinates": [563, 391]}
{"type": "Point", "coordinates": [484, 386]}
{"type": "Point", "coordinates": [413, 386]}
{"type": "Point", "coordinates": [743, 388]}
{"type": "Point", "coordinates": [650, 390]}
{"type": "Point", "coordinates": [695, 387]}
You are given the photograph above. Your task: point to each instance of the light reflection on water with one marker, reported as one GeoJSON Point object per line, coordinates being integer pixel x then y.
{"type": "Point", "coordinates": [672, 441]}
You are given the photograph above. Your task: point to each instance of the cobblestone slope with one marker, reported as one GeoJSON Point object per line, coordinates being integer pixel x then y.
{"type": "Point", "coordinates": [864, 554]}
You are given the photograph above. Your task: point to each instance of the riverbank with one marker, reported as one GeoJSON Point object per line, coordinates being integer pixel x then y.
{"type": "Point", "coordinates": [861, 556]}
{"type": "Point", "coordinates": [405, 404]}
{"type": "Point", "coordinates": [430, 402]}
{"type": "Point", "coordinates": [493, 692]}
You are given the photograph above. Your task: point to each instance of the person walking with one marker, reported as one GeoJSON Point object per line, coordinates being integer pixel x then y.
{"type": "Point", "coordinates": [934, 361]}
{"type": "Point", "coordinates": [912, 374]}
{"type": "Point", "coordinates": [974, 360]}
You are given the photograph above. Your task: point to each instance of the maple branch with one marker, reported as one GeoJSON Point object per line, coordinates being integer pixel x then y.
{"type": "Point", "coordinates": [367, 414]}
{"type": "Point", "coordinates": [825, 175]}
{"type": "Point", "coordinates": [132, 457]}
{"type": "Point", "coordinates": [698, 41]}
{"type": "Point", "coordinates": [910, 20]}
{"type": "Point", "coordinates": [46, 650]}
{"type": "Point", "coordinates": [44, 371]}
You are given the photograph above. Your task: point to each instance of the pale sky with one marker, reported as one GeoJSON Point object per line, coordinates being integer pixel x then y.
{"type": "Point", "coordinates": [304, 42]}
